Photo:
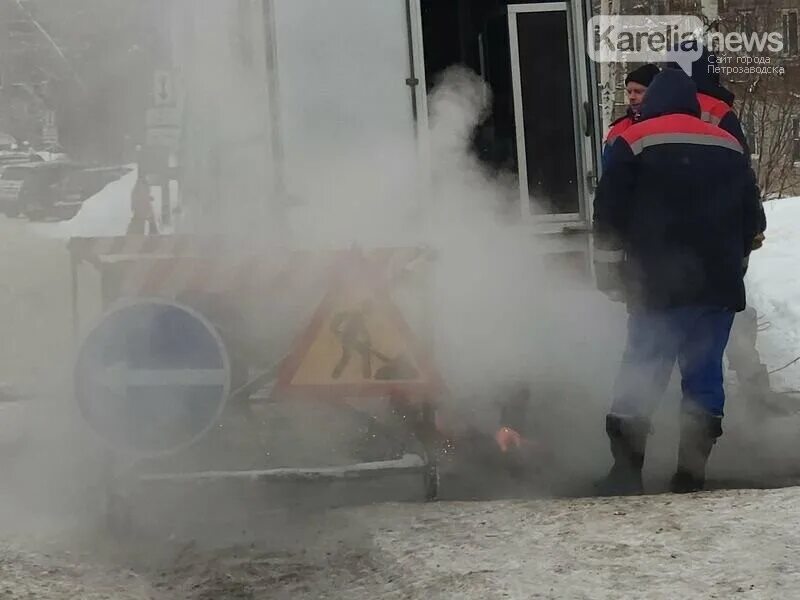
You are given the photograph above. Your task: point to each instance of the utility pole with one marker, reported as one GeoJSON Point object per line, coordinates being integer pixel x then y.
{"type": "Point", "coordinates": [276, 207]}
{"type": "Point", "coordinates": [165, 61]}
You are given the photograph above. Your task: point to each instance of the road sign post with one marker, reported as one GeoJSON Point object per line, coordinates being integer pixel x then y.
{"type": "Point", "coordinates": [163, 135]}
{"type": "Point", "coordinates": [163, 88]}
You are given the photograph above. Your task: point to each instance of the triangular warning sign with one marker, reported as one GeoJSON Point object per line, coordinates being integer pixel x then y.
{"type": "Point", "coordinates": [357, 344]}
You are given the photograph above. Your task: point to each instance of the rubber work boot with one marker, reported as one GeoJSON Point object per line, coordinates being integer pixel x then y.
{"type": "Point", "coordinates": [699, 433]}
{"type": "Point", "coordinates": [628, 437]}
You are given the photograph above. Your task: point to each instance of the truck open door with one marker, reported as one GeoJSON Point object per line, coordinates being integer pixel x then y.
{"type": "Point", "coordinates": [543, 120]}
{"type": "Point", "coordinates": [554, 122]}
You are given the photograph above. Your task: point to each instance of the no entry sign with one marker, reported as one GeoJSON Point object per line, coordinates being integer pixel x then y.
{"type": "Point", "coordinates": [152, 377]}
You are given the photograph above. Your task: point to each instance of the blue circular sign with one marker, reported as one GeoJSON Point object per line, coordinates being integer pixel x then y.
{"type": "Point", "coordinates": [152, 377]}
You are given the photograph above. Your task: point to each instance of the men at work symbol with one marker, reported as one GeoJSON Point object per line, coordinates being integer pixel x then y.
{"type": "Point", "coordinates": [350, 328]}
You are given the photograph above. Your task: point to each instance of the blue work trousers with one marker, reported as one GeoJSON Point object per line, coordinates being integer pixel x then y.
{"type": "Point", "coordinates": [695, 337]}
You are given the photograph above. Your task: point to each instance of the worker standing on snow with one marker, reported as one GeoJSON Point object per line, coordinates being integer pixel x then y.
{"type": "Point", "coordinates": [716, 106]}
{"type": "Point", "coordinates": [675, 216]}
{"type": "Point", "coordinates": [636, 84]}
{"type": "Point", "coordinates": [143, 217]}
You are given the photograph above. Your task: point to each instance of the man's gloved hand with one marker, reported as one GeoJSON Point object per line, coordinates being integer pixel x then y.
{"type": "Point", "coordinates": [608, 274]}
{"type": "Point", "coordinates": [758, 241]}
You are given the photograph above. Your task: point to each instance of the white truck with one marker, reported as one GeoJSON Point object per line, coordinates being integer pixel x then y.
{"type": "Point", "coordinates": [296, 112]}
{"type": "Point", "coordinates": [280, 97]}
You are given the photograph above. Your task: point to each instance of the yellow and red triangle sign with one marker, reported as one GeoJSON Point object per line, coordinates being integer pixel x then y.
{"type": "Point", "coordinates": [357, 344]}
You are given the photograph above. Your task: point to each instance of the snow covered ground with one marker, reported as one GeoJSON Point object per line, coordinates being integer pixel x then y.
{"type": "Point", "coordinates": [774, 289]}
{"type": "Point", "coordinates": [107, 213]}
{"type": "Point", "coordinates": [737, 544]}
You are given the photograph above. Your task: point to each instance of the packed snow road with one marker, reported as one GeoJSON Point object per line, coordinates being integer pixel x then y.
{"type": "Point", "coordinates": [720, 545]}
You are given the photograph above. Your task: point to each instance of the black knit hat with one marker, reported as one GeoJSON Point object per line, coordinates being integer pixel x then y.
{"type": "Point", "coordinates": [643, 75]}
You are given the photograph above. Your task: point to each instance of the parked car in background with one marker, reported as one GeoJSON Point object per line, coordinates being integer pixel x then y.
{"type": "Point", "coordinates": [7, 141]}
{"type": "Point", "coordinates": [11, 182]}
{"type": "Point", "coordinates": [51, 189]}
{"type": "Point", "coordinates": [52, 152]}
{"type": "Point", "coordinates": [78, 186]}
{"type": "Point", "coordinates": [32, 188]}
{"type": "Point", "coordinates": [17, 158]}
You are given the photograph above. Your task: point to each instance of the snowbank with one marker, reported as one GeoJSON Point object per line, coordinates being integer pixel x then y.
{"type": "Point", "coordinates": [107, 213]}
{"type": "Point", "coordinates": [774, 289]}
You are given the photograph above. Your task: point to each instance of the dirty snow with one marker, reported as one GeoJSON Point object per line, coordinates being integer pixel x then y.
{"type": "Point", "coordinates": [722, 545]}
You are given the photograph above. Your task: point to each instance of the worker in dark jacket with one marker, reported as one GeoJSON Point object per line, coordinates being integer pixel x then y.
{"type": "Point", "coordinates": [636, 84]}
{"type": "Point", "coordinates": [716, 102]}
{"type": "Point", "coordinates": [675, 216]}
{"type": "Point", "coordinates": [716, 106]}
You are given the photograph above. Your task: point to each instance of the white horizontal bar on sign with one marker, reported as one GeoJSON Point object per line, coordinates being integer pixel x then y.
{"type": "Point", "coordinates": [115, 258]}
{"type": "Point", "coordinates": [123, 376]}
